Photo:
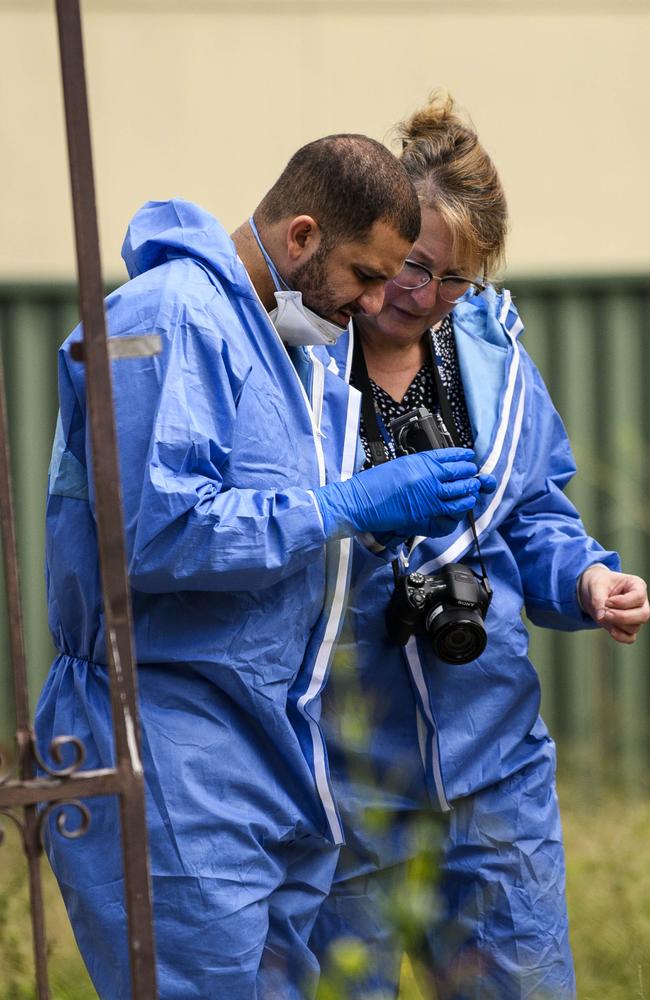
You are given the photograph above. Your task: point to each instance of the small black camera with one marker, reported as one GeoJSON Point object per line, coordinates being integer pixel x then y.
{"type": "Point", "coordinates": [448, 607]}
{"type": "Point", "coordinates": [419, 430]}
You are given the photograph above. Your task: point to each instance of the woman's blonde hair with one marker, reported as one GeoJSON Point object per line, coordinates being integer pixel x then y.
{"type": "Point", "coordinates": [454, 175]}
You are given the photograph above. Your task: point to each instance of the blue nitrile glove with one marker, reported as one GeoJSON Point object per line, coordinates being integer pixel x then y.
{"type": "Point", "coordinates": [488, 482]}
{"type": "Point", "coordinates": [412, 495]}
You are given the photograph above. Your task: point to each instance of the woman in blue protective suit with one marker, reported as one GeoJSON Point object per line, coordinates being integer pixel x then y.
{"type": "Point", "coordinates": [412, 738]}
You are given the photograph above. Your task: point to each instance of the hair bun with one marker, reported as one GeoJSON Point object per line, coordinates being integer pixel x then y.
{"type": "Point", "coordinates": [437, 119]}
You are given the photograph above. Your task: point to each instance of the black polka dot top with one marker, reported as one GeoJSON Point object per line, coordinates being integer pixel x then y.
{"type": "Point", "coordinates": [422, 392]}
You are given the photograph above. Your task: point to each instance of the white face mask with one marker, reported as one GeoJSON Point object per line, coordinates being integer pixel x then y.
{"type": "Point", "coordinates": [297, 324]}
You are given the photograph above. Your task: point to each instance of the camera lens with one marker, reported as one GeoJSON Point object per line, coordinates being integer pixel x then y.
{"type": "Point", "coordinates": [457, 634]}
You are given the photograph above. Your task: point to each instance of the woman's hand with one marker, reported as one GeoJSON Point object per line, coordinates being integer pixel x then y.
{"type": "Point", "coordinates": [617, 601]}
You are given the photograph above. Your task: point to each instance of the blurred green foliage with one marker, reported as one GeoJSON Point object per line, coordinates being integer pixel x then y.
{"type": "Point", "coordinates": [608, 853]}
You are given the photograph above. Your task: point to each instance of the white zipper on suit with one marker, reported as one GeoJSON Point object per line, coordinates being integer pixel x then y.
{"type": "Point", "coordinates": [460, 546]}
{"type": "Point", "coordinates": [332, 629]}
{"type": "Point", "coordinates": [344, 547]}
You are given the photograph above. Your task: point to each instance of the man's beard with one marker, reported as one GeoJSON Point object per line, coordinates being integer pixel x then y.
{"type": "Point", "coordinates": [311, 279]}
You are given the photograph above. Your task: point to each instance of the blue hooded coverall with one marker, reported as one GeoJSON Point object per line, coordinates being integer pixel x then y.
{"type": "Point", "coordinates": [409, 735]}
{"type": "Point", "coordinates": [237, 604]}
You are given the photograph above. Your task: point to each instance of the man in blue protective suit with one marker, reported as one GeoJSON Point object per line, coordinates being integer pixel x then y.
{"type": "Point", "coordinates": [237, 446]}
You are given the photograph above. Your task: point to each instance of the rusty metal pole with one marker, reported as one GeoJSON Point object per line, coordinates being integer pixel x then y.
{"type": "Point", "coordinates": [41, 789]}
{"type": "Point", "coordinates": [110, 527]}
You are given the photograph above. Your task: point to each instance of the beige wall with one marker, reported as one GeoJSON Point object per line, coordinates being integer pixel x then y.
{"type": "Point", "coordinates": [208, 98]}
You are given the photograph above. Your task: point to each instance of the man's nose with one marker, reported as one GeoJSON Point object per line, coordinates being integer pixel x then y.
{"type": "Point", "coordinates": [372, 299]}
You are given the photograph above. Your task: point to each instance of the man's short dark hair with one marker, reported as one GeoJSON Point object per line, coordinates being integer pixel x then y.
{"type": "Point", "coordinates": [346, 183]}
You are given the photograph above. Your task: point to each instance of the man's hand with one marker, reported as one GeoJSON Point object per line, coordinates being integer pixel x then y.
{"type": "Point", "coordinates": [617, 601]}
{"type": "Point", "coordinates": [427, 493]}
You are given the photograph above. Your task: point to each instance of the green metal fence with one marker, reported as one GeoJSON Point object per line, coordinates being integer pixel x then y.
{"type": "Point", "coordinates": [590, 338]}
{"type": "Point", "coordinates": [33, 321]}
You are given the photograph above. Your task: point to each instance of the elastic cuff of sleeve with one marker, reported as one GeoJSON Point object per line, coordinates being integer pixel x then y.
{"type": "Point", "coordinates": [334, 527]}
{"type": "Point", "coordinates": [579, 580]}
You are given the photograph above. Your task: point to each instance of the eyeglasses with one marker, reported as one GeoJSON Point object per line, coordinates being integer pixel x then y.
{"type": "Point", "coordinates": [451, 287]}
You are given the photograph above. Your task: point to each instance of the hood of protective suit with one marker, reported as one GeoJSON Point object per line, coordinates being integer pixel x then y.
{"type": "Point", "coordinates": [164, 230]}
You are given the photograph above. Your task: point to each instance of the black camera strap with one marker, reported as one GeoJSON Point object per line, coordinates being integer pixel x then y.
{"type": "Point", "coordinates": [448, 419]}
{"type": "Point", "coordinates": [442, 399]}
{"type": "Point", "coordinates": [361, 379]}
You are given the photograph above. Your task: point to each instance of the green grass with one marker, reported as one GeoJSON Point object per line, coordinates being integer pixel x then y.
{"type": "Point", "coordinates": [608, 852]}
{"type": "Point", "coordinates": [608, 859]}
{"type": "Point", "coordinates": [68, 977]}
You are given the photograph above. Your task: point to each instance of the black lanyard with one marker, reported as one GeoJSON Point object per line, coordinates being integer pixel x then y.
{"type": "Point", "coordinates": [369, 411]}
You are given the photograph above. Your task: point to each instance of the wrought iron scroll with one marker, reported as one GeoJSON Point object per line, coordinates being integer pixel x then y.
{"type": "Point", "coordinates": [39, 791]}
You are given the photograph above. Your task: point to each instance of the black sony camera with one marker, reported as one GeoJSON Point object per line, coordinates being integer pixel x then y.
{"type": "Point", "coordinates": [450, 606]}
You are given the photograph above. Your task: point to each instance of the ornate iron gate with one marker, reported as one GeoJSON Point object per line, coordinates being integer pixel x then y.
{"type": "Point", "coordinates": [40, 787]}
